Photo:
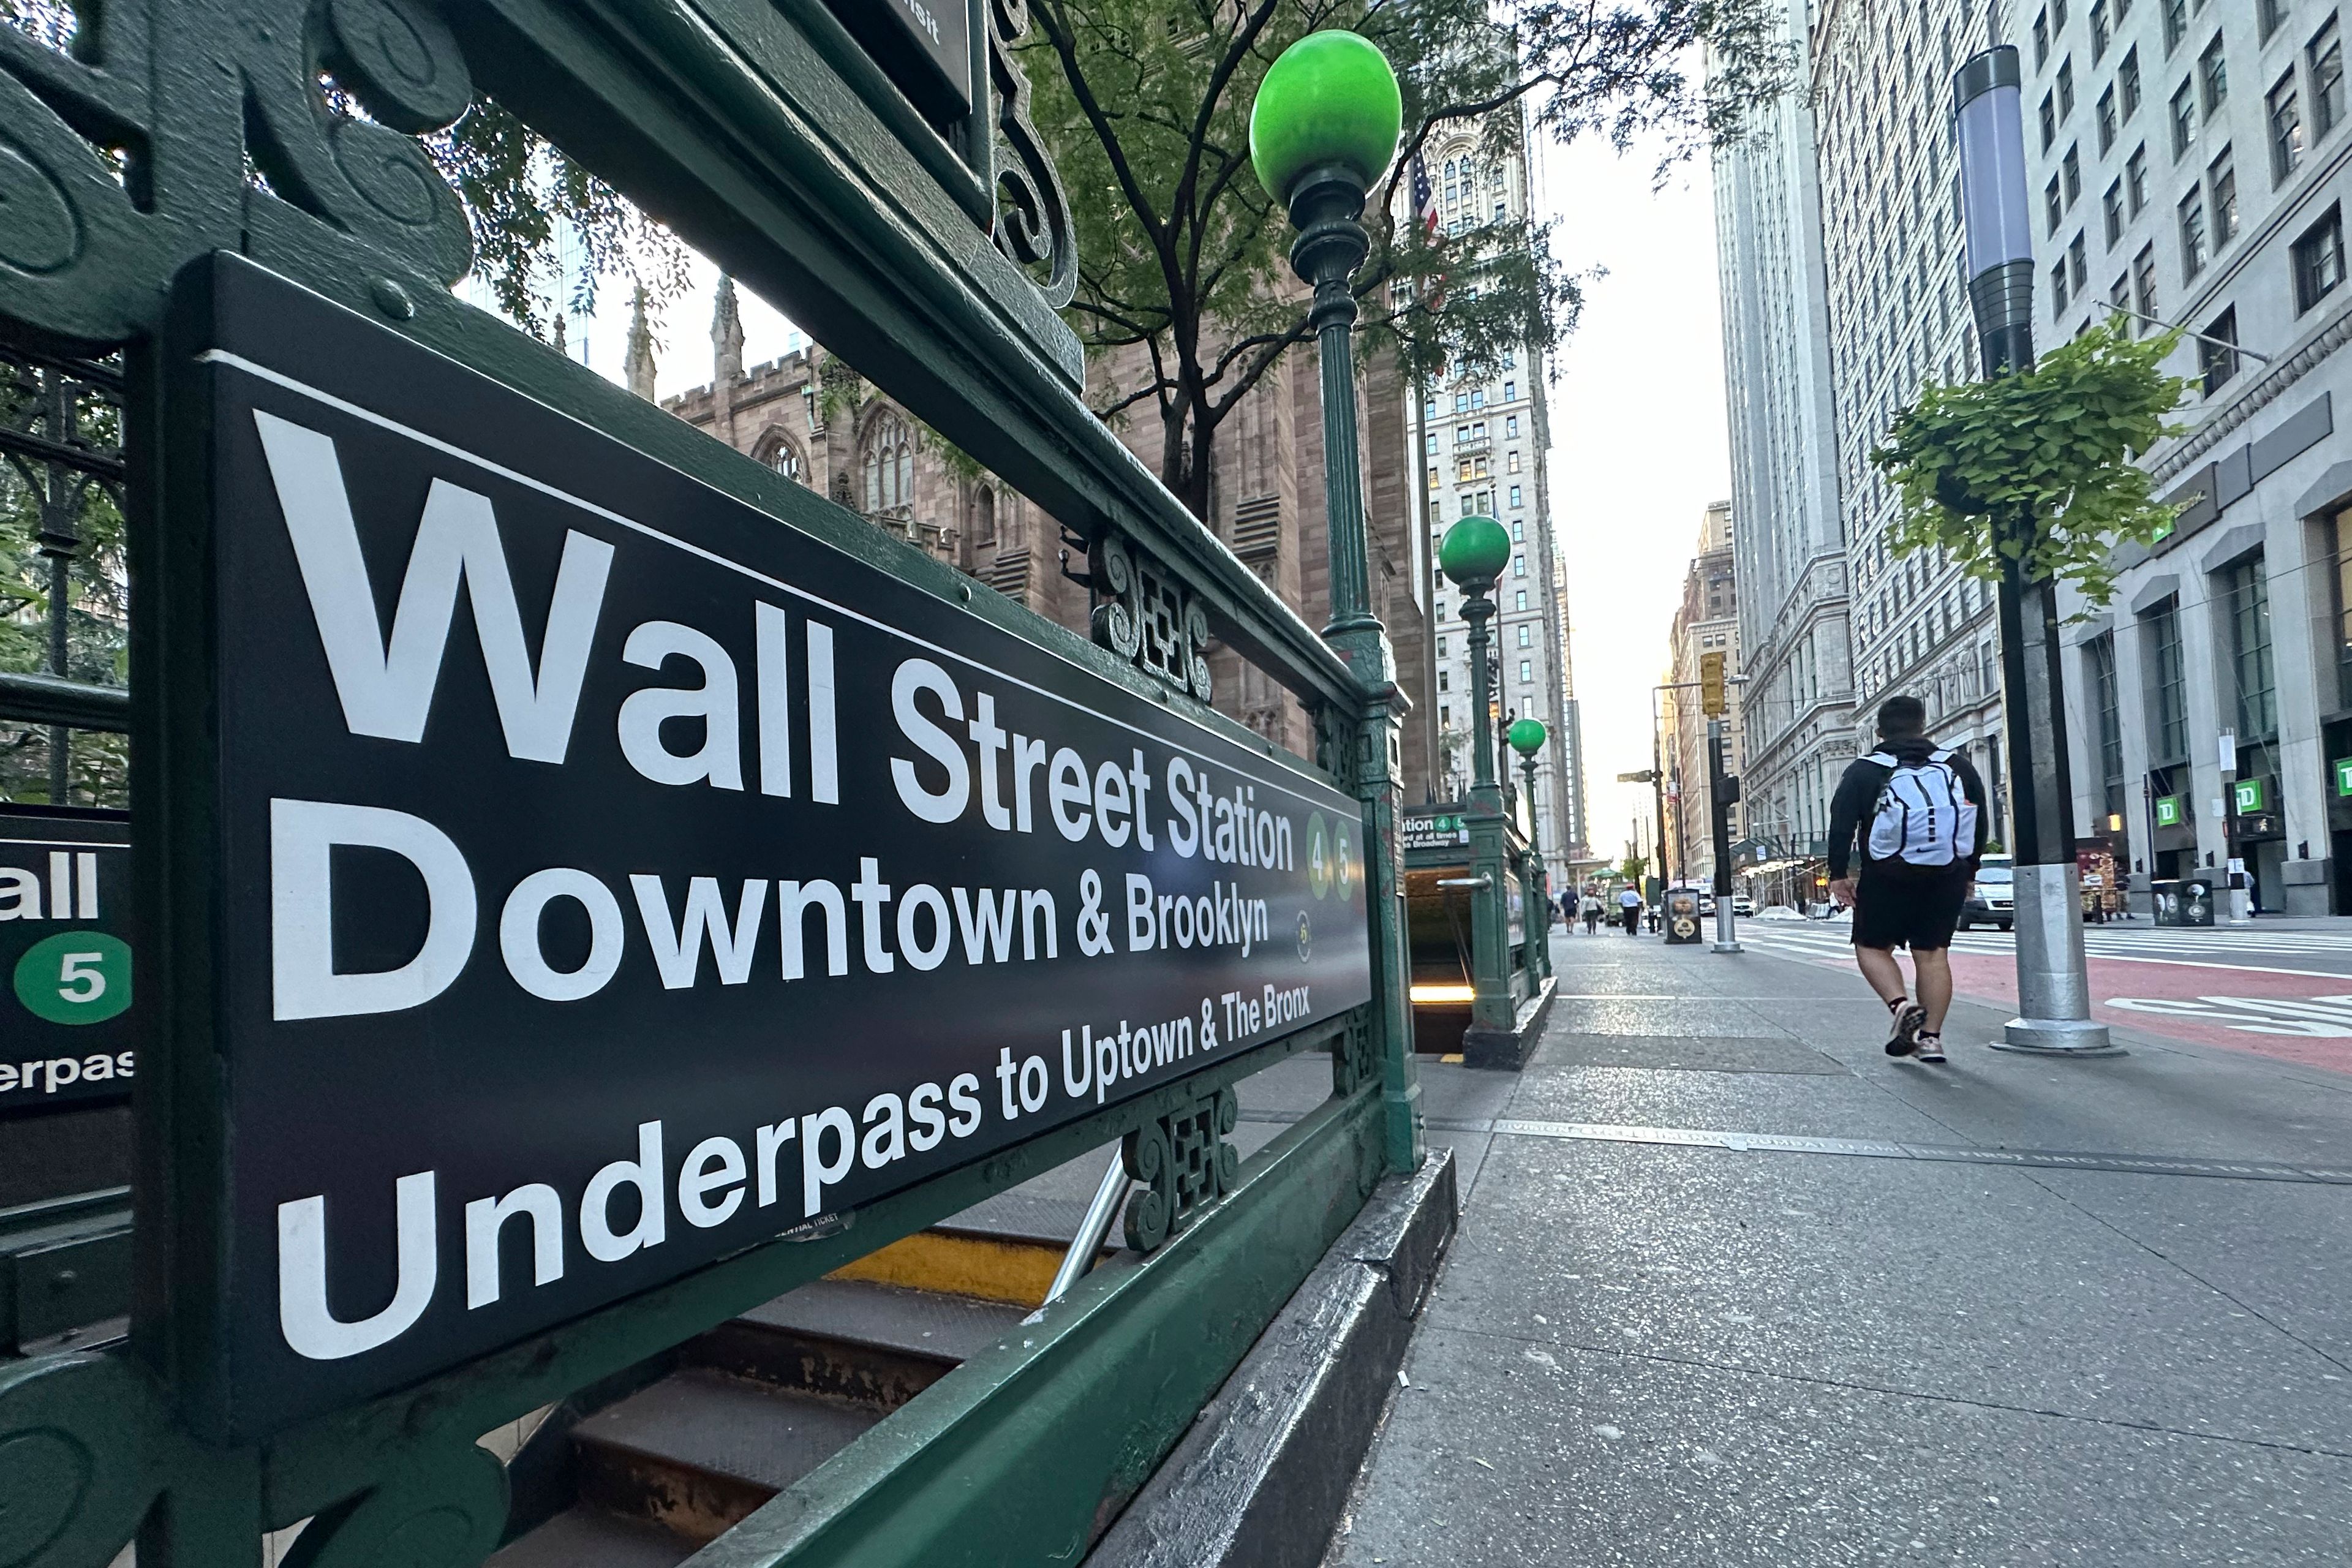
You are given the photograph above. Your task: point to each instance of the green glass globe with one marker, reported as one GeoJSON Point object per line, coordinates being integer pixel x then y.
{"type": "Point", "coordinates": [1527, 736]}
{"type": "Point", "coordinates": [1474, 551]}
{"type": "Point", "coordinates": [1331, 98]}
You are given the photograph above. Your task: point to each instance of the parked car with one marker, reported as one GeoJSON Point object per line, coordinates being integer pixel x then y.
{"type": "Point", "coordinates": [1743, 906]}
{"type": "Point", "coordinates": [1992, 897]}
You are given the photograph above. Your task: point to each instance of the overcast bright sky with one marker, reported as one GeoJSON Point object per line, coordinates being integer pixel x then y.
{"type": "Point", "coordinates": [1637, 423]}
{"type": "Point", "coordinates": [1638, 442]}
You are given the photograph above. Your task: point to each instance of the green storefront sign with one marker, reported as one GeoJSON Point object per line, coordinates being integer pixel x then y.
{"type": "Point", "coordinates": [2251, 796]}
{"type": "Point", "coordinates": [2344, 776]}
{"type": "Point", "coordinates": [2168, 811]}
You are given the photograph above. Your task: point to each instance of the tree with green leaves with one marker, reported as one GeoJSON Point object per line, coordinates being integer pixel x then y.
{"type": "Point", "coordinates": [1145, 106]}
{"type": "Point", "coordinates": [2040, 468]}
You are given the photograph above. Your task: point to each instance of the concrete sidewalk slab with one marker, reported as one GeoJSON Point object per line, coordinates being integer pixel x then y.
{"type": "Point", "coordinates": [1506, 1453]}
{"type": "Point", "coordinates": [1644, 1350]}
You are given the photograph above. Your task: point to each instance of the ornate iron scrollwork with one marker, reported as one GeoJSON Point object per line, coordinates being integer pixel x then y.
{"type": "Point", "coordinates": [1033, 214]}
{"type": "Point", "coordinates": [1146, 615]}
{"type": "Point", "coordinates": [115, 167]}
{"type": "Point", "coordinates": [1183, 1161]}
{"type": "Point", "coordinates": [1354, 1060]}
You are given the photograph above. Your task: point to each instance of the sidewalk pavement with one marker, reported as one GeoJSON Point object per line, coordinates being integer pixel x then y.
{"type": "Point", "coordinates": [2010, 1311]}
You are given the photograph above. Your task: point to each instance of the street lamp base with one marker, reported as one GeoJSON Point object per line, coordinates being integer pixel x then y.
{"type": "Point", "coordinates": [1732, 946]}
{"type": "Point", "coordinates": [2057, 1038]}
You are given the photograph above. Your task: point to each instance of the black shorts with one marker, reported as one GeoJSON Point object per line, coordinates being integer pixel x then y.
{"type": "Point", "coordinates": [1894, 910]}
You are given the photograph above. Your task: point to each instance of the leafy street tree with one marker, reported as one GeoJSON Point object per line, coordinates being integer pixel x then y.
{"type": "Point", "coordinates": [2040, 468]}
{"type": "Point", "coordinates": [1145, 105]}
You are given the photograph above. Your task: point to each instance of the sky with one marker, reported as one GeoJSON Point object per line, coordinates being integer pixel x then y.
{"type": "Point", "coordinates": [1639, 436]}
{"type": "Point", "coordinates": [1640, 443]}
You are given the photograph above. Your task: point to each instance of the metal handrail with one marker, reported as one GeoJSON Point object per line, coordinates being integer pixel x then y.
{"type": "Point", "coordinates": [1088, 1244]}
{"type": "Point", "coordinates": [53, 699]}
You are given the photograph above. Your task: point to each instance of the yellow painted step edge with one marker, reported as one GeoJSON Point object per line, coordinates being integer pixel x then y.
{"type": "Point", "coordinates": [1015, 1271]}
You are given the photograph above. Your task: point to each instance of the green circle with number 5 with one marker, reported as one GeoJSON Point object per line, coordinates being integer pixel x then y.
{"type": "Point", "coordinates": [76, 977]}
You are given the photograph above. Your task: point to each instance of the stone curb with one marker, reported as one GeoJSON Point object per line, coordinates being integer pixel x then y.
{"type": "Point", "coordinates": [1261, 1478]}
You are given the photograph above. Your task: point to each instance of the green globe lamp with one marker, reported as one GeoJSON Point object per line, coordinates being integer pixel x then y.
{"type": "Point", "coordinates": [1527, 737]}
{"type": "Point", "coordinates": [1474, 553]}
{"type": "Point", "coordinates": [1323, 131]}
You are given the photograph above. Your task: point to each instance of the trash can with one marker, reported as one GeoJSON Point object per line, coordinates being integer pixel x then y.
{"type": "Point", "coordinates": [1682, 916]}
{"type": "Point", "coordinates": [2196, 901]}
{"type": "Point", "coordinates": [2166, 901]}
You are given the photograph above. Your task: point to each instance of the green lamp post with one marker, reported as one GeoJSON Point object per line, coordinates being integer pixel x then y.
{"type": "Point", "coordinates": [1527, 737]}
{"type": "Point", "coordinates": [1322, 131]}
{"type": "Point", "coordinates": [1473, 554]}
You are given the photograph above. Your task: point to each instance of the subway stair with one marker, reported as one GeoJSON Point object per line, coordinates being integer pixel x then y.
{"type": "Point", "coordinates": [642, 1470]}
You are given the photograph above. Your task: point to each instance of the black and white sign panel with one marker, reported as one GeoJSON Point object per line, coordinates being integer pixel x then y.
{"type": "Point", "coordinates": [610, 876]}
{"type": "Point", "coordinates": [68, 1037]}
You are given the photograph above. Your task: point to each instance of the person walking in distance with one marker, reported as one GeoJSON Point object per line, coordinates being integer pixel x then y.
{"type": "Point", "coordinates": [1920, 810]}
{"type": "Point", "coordinates": [1591, 909]}
{"type": "Point", "coordinates": [1629, 910]}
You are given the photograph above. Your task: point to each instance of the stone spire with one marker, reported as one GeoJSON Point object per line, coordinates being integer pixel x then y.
{"type": "Point", "coordinates": [561, 347]}
{"type": "Point", "coordinates": [639, 368]}
{"type": "Point", "coordinates": [726, 335]}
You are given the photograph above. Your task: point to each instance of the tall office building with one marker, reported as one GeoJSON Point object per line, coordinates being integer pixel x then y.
{"type": "Point", "coordinates": [2191, 161]}
{"type": "Point", "coordinates": [1791, 549]}
{"type": "Point", "coordinates": [1707, 622]}
{"type": "Point", "coordinates": [1484, 443]}
{"type": "Point", "coordinates": [1898, 316]}
{"type": "Point", "coordinates": [1789, 558]}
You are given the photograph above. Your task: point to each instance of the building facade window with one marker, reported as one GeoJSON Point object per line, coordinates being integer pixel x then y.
{"type": "Point", "coordinates": [889, 464]}
{"type": "Point", "coordinates": [2143, 294]}
{"type": "Point", "coordinates": [2099, 657]}
{"type": "Point", "coordinates": [2111, 210]}
{"type": "Point", "coordinates": [2222, 178]}
{"type": "Point", "coordinates": [2319, 260]}
{"type": "Point", "coordinates": [2340, 537]}
{"type": "Point", "coordinates": [2269, 15]}
{"type": "Point", "coordinates": [2245, 595]}
{"type": "Point", "coordinates": [2107, 122]}
{"type": "Point", "coordinates": [2213, 75]}
{"type": "Point", "coordinates": [2127, 83]}
{"type": "Point", "coordinates": [2326, 53]}
{"type": "Point", "coordinates": [2192, 233]}
{"type": "Point", "coordinates": [2176, 24]}
{"type": "Point", "coordinates": [2283, 113]}
{"type": "Point", "coordinates": [2184, 119]}
{"type": "Point", "coordinates": [2136, 179]}
{"type": "Point", "coordinates": [785, 459]}
{"type": "Point", "coordinates": [2217, 350]}
{"type": "Point", "coordinates": [2166, 679]}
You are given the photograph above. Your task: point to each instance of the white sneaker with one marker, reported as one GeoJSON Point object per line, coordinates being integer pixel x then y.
{"type": "Point", "coordinates": [1930, 1050]}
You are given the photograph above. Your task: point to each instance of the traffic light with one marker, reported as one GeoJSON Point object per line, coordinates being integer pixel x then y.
{"type": "Point", "coordinates": [1711, 700]}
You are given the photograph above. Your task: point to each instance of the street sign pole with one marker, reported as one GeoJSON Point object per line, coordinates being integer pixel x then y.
{"type": "Point", "coordinates": [2233, 875]}
{"type": "Point", "coordinates": [1722, 791]}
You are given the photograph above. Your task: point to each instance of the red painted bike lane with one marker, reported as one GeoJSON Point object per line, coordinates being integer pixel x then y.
{"type": "Point", "coordinates": [2296, 1016]}
{"type": "Point", "coordinates": [2277, 1011]}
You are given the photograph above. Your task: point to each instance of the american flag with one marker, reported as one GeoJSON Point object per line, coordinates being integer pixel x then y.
{"type": "Point", "coordinates": [1424, 198]}
{"type": "Point", "coordinates": [1424, 207]}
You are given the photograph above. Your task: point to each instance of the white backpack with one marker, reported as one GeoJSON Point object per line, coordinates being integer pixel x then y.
{"type": "Point", "coordinates": [1923, 815]}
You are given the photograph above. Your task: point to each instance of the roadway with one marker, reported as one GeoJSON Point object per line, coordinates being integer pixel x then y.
{"type": "Point", "coordinates": [2275, 988]}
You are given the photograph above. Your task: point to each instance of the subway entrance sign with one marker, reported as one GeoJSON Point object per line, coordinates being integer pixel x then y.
{"type": "Point", "coordinates": [65, 1024]}
{"type": "Point", "coordinates": [602, 877]}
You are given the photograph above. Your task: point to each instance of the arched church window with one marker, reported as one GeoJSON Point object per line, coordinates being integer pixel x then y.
{"type": "Point", "coordinates": [890, 464]}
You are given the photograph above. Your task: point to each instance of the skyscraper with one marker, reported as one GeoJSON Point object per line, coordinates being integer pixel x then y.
{"type": "Point", "coordinates": [1483, 442]}
{"type": "Point", "coordinates": [1797, 706]}
{"type": "Point", "coordinates": [1898, 316]}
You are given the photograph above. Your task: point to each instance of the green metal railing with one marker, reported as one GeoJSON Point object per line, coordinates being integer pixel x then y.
{"type": "Point", "coordinates": [175, 130]}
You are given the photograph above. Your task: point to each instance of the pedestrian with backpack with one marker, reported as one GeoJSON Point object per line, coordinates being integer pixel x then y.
{"type": "Point", "coordinates": [1921, 812]}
